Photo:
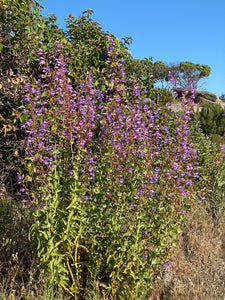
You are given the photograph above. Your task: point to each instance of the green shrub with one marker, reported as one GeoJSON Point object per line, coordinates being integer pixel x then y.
{"type": "Point", "coordinates": [211, 119]}
{"type": "Point", "coordinates": [210, 186]}
{"type": "Point", "coordinates": [162, 96]}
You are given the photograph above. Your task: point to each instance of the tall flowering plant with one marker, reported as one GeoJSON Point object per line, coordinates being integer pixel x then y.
{"type": "Point", "coordinates": [60, 122]}
{"type": "Point", "coordinates": [112, 173]}
{"type": "Point", "coordinates": [141, 134]}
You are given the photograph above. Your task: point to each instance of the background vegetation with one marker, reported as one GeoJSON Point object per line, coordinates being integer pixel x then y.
{"type": "Point", "coordinates": [105, 193]}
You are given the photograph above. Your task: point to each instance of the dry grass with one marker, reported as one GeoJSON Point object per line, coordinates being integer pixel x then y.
{"type": "Point", "coordinates": [198, 265]}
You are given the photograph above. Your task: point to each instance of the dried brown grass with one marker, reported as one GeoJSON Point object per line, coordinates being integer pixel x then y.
{"type": "Point", "coordinates": [198, 265]}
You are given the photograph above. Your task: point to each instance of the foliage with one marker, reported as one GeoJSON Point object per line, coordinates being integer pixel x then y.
{"type": "Point", "coordinates": [141, 70]}
{"type": "Point", "coordinates": [22, 29]}
{"type": "Point", "coordinates": [160, 72]}
{"type": "Point", "coordinates": [97, 207]}
{"type": "Point", "coordinates": [162, 96]}
{"type": "Point", "coordinates": [111, 174]}
{"type": "Point", "coordinates": [185, 71]}
{"type": "Point", "coordinates": [211, 118]}
{"type": "Point", "coordinates": [87, 42]}
{"type": "Point", "coordinates": [188, 71]}
{"type": "Point", "coordinates": [208, 158]}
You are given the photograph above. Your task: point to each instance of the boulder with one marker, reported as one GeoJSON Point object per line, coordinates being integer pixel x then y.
{"type": "Point", "coordinates": [202, 97]}
{"type": "Point", "coordinates": [199, 95]}
{"type": "Point", "coordinates": [205, 96]}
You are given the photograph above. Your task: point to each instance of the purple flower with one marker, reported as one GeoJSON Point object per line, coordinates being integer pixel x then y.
{"type": "Point", "coordinates": [151, 194]}
{"type": "Point", "coordinates": [47, 148]}
{"type": "Point", "coordinates": [182, 190]}
{"type": "Point", "coordinates": [167, 264]}
{"type": "Point", "coordinates": [140, 191]}
{"type": "Point", "coordinates": [189, 166]}
{"type": "Point", "coordinates": [25, 98]}
{"type": "Point", "coordinates": [196, 175]}
{"type": "Point", "coordinates": [175, 165]}
{"type": "Point", "coordinates": [143, 185]}
{"type": "Point", "coordinates": [188, 182]}
{"type": "Point", "coordinates": [40, 51]}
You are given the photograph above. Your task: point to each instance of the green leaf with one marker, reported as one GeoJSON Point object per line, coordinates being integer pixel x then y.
{"type": "Point", "coordinates": [23, 117]}
{"type": "Point", "coordinates": [156, 261]}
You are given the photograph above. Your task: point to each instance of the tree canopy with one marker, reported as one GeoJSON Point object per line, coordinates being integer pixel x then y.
{"type": "Point", "coordinates": [188, 71]}
{"type": "Point", "coordinates": [184, 72]}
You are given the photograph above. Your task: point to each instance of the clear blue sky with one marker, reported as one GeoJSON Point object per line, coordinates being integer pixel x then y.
{"type": "Point", "coordinates": [167, 30]}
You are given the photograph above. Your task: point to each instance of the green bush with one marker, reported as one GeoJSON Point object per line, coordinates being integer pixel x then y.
{"type": "Point", "coordinates": [211, 183]}
{"type": "Point", "coordinates": [162, 96]}
{"type": "Point", "coordinates": [211, 119]}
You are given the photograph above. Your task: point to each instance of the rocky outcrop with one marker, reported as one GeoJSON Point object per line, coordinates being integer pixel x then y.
{"type": "Point", "coordinates": [201, 97]}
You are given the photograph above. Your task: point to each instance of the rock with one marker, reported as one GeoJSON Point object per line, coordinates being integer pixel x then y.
{"type": "Point", "coordinates": [202, 97]}
{"type": "Point", "coordinates": [205, 96]}
{"type": "Point", "coordinates": [176, 107]}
